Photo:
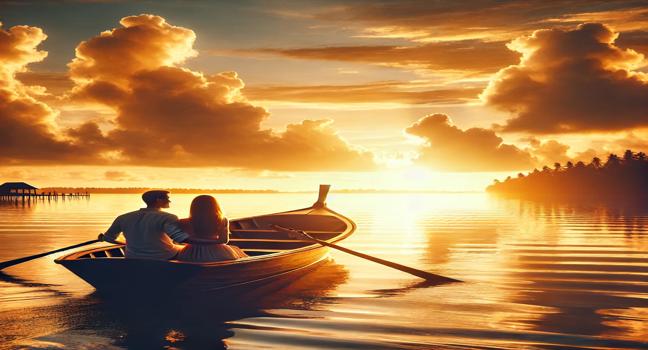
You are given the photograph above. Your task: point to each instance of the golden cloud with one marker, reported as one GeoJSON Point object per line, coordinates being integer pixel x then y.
{"type": "Point", "coordinates": [468, 56]}
{"type": "Point", "coordinates": [449, 148]}
{"type": "Point", "coordinates": [379, 92]}
{"type": "Point", "coordinates": [548, 152]}
{"type": "Point", "coordinates": [171, 116]}
{"type": "Point", "coordinates": [18, 48]}
{"type": "Point", "coordinates": [571, 81]}
{"type": "Point", "coordinates": [27, 128]}
{"type": "Point", "coordinates": [143, 42]}
{"type": "Point", "coordinates": [490, 20]}
{"type": "Point", "coordinates": [116, 175]}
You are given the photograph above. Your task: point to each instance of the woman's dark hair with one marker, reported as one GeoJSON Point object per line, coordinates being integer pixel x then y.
{"type": "Point", "coordinates": [206, 216]}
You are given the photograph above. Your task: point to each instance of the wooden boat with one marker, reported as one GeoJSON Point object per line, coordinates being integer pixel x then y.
{"type": "Point", "coordinates": [272, 255]}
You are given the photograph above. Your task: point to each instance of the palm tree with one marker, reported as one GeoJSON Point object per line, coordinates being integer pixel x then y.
{"type": "Point", "coordinates": [613, 160]}
{"type": "Point", "coordinates": [596, 162]}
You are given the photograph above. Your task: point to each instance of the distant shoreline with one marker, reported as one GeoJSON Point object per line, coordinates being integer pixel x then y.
{"type": "Point", "coordinates": [137, 190]}
{"type": "Point", "coordinates": [618, 179]}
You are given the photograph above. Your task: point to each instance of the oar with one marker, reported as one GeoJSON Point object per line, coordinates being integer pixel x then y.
{"type": "Point", "coordinates": [416, 272]}
{"type": "Point", "coordinates": [13, 262]}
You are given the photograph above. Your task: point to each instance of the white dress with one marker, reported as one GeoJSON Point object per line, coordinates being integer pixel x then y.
{"type": "Point", "coordinates": [208, 252]}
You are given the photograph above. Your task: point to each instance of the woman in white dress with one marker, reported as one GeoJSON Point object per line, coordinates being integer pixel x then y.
{"type": "Point", "coordinates": [206, 220]}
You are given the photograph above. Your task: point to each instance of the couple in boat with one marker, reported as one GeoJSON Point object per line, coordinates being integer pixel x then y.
{"type": "Point", "coordinates": [152, 233]}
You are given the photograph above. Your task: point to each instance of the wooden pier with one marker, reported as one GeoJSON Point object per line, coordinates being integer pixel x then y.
{"type": "Point", "coordinates": [20, 191]}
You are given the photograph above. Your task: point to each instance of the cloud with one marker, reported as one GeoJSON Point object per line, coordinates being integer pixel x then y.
{"type": "Point", "coordinates": [473, 56]}
{"type": "Point", "coordinates": [18, 48]}
{"type": "Point", "coordinates": [379, 92]}
{"type": "Point", "coordinates": [571, 81]}
{"type": "Point", "coordinates": [633, 142]}
{"type": "Point", "coordinates": [168, 115]}
{"type": "Point", "coordinates": [116, 175]}
{"type": "Point", "coordinates": [623, 17]}
{"type": "Point", "coordinates": [548, 152]}
{"type": "Point", "coordinates": [449, 148]}
{"type": "Point", "coordinates": [47, 87]}
{"type": "Point", "coordinates": [636, 40]}
{"type": "Point", "coordinates": [27, 125]}
{"type": "Point", "coordinates": [143, 42]}
{"type": "Point", "coordinates": [460, 20]}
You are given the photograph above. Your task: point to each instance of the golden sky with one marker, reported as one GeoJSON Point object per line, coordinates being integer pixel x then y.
{"type": "Point", "coordinates": [440, 95]}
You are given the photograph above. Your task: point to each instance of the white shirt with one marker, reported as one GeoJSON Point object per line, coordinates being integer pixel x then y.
{"type": "Point", "coordinates": [149, 234]}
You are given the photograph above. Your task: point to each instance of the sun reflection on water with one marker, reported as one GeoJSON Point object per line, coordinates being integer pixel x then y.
{"type": "Point", "coordinates": [534, 273]}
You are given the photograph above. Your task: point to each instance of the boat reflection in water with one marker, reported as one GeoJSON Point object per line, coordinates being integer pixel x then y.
{"type": "Point", "coordinates": [202, 321]}
{"type": "Point", "coordinates": [173, 321]}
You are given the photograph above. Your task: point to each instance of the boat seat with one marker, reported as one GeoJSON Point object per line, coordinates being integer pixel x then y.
{"type": "Point", "coordinates": [257, 252]}
{"type": "Point", "coordinates": [280, 244]}
{"type": "Point", "coordinates": [273, 234]}
{"type": "Point", "coordinates": [297, 221]}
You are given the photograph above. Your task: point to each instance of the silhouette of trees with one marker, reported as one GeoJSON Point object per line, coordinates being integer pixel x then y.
{"type": "Point", "coordinates": [618, 178]}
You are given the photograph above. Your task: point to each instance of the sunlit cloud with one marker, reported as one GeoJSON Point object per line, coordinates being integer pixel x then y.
{"type": "Point", "coordinates": [168, 115]}
{"type": "Point", "coordinates": [571, 80]}
{"type": "Point", "coordinates": [548, 152]}
{"type": "Point", "coordinates": [449, 148]}
{"type": "Point", "coordinates": [378, 92]}
{"type": "Point", "coordinates": [117, 175]}
{"type": "Point", "coordinates": [636, 40]}
{"type": "Point", "coordinates": [490, 20]}
{"type": "Point", "coordinates": [27, 125]}
{"type": "Point", "coordinates": [467, 56]}
{"type": "Point", "coordinates": [629, 19]}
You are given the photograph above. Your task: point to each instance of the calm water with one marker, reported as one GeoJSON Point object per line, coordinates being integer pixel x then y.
{"type": "Point", "coordinates": [536, 276]}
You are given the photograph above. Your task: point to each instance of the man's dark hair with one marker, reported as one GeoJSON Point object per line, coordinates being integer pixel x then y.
{"type": "Point", "coordinates": [149, 197]}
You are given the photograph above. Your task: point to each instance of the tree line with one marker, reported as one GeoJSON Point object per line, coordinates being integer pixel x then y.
{"type": "Point", "coordinates": [144, 189]}
{"type": "Point", "coordinates": [617, 178]}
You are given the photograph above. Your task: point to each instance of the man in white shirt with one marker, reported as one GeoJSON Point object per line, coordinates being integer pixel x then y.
{"type": "Point", "coordinates": [150, 233]}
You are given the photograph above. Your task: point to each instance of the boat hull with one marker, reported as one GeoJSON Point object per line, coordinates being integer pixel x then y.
{"type": "Point", "coordinates": [273, 255]}
{"type": "Point", "coordinates": [115, 275]}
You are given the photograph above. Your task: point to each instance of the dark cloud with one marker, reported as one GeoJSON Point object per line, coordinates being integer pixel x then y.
{"type": "Point", "coordinates": [449, 148]}
{"type": "Point", "coordinates": [636, 40]}
{"type": "Point", "coordinates": [572, 80]}
{"type": "Point", "coordinates": [57, 81]}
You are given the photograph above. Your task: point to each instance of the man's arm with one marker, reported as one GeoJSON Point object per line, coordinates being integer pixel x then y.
{"type": "Point", "coordinates": [102, 237]}
{"type": "Point", "coordinates": [112, 233]}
